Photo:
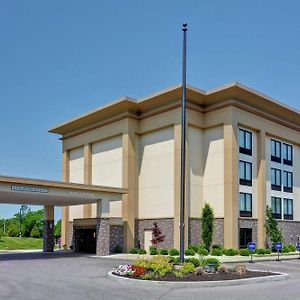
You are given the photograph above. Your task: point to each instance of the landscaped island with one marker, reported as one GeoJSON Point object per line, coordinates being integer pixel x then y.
{"type": "Point", "coordinates": [165, 268]}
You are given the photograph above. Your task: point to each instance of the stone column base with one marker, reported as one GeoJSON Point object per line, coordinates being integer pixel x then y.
{"type": "Point", "coordinates": [102, 236]}
{"type": "Point", "coordinates": [48, 236]}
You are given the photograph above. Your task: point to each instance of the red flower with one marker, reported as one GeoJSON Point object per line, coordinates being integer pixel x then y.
{"type": "Point", "coordinates": [138, 271]}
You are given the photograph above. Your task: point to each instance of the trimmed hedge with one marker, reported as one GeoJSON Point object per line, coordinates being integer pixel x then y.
{"type": "Point", "coordinates": [164, 252]}
{"type": "Point", "coordinates": [216, 252]}
{"type": "Point", "coordinates": [194, 261]}
{"type": "Point", "coordinates": [190, 252]}
{"type": "Point", "coordinates": [230, 252]}
{"type": "Point", "coordinates": [134, 251]}
{"type": "Point", "coordinates": [203, 252]}
{"type": "Point", "coordinates": [244, 252]}
{"type": "Point", "coordinates": [173, 252]}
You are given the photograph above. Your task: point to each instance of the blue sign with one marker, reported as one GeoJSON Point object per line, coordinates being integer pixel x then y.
{"type": "Point", "coordinates": [278, 246]}
{"type": "Point", "coordinates": [298, 246]}
{"type": "Point", "coordinates": [251, 246]}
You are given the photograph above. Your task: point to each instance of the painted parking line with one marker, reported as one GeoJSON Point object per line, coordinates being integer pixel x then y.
{"type": "Point", "coordinates": [277, 265]}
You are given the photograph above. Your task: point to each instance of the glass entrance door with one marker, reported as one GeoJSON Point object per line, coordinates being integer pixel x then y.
{"type": "Point", "coordinates": [245, 237]}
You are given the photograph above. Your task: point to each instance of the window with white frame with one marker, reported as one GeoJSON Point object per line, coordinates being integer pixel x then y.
{"type": "Point", "coordinates": [245, 205]}
{"type": "Point", "coordinates": [287, 154]}
{"type": "Point", "coordinates": [245, 173]}
{"type": "Point", "coordinates": [275, 179]}
{"type": "Point", "coordinates": [245, 141]}
{"type": "Point", "coordinates": [276, 207]}
{"type": "Point", "coordinates": [287, 181]}
{"type": "Point", "coordinates": [288, 209]}
{"type": "Point", "coordinates": [275, 151]}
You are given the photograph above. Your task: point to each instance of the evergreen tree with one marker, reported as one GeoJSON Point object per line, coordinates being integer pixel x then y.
{"type": "Point", "coordinates": [271, 225]}
{"type": "Point", "coordinates": [207, 225]}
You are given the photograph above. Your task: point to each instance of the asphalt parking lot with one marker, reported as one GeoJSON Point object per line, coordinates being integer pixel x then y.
{"type": "Point", "coordinates": [68, 276]}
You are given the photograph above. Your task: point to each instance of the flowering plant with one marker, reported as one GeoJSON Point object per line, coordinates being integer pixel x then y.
{"type": "Point", "coordinates": [129, 270]}
{"type": "Point", "coordinates": [123, 270]}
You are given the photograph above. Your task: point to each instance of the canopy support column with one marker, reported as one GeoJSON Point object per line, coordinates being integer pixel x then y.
{"type": "Point", "coordinates": [48, 234]}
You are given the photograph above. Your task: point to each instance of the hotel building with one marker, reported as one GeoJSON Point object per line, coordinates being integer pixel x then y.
{"type": "Point", "coordinates": [242, 155]}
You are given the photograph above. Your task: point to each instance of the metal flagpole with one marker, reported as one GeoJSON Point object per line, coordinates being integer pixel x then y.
{"type": "Point", "coordinates": [183, 140]}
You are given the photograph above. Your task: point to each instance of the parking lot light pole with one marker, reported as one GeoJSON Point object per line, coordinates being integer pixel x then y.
{"type": "Point", "coordinates": [183, 146]}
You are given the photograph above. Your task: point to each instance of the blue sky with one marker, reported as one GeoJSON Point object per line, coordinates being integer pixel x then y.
{"type": "Point", "coordinates": [61, 58]}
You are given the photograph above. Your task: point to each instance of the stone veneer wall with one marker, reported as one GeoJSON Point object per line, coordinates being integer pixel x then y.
{"type": "Point", "coordinates": [290, 230]}
{"type": "Point", "coordinates": [115, 237]}
{"type": "Point", "coordinates": [70, 237]}
{"type": "Point", "coordinates": [48, 236]}
{"type": "Point", "coordinates": [102, 236]}
{"type": "Point", "coordinates": [249, 223]}
{"type": "Point", "coordinates": [195, 231]}
{"type": "Point", "coordinates": [166, 226]}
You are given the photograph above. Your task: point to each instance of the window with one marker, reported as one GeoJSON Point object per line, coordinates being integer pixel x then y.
{"type": "Point", "coordinates": [245, 142]}
{"type": "Point", "coordinates": [276, 207]}
{"type": "Point", "coordinates": [245, 205]}
{"type": "Point", "coordinates": [245, 173]}
{"type": "Point", "coordinates": [288, 209]}
{"type": "Point", "coordinates": [287, 154]}
{"type": "Point", "coordinates": [275, 179]}
{"type": "Point", "coordinates": [275, 151]}
{"type": "Point", "coordinates": [287, 182]}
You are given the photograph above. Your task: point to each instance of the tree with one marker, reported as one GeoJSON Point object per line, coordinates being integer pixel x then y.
{"type": "Point", "coordinates": [271, 225]}
{"type": "Point", "coordinates": [157, 236]}
{"type": "Point", "coordinates": [57, 229]}
{"type": "Point", "coordinates": [207, 225]}
{"type": "Point", "coordinates": [35, 232]}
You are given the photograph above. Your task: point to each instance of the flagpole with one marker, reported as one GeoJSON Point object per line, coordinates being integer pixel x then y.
{"type": "Point", "coordinates": [183, 146]}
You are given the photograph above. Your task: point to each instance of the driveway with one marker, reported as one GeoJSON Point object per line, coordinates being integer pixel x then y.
{"type": "Point", "coordinates": [69, 276]}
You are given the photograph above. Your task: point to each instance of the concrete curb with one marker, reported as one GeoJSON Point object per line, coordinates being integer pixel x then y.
{"type": "Point", "coordinates": [193, 284]}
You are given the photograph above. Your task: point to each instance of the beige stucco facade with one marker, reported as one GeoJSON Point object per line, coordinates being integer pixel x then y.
{"type": "Point", "coordinates": [135, 144]}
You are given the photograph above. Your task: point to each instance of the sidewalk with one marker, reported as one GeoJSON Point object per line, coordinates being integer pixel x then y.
{"type": "Point", "coordinates": [223, 259]}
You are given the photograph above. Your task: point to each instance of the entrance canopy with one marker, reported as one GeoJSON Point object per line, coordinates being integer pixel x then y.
{"type": "Point", "coordinates": [14, 190]}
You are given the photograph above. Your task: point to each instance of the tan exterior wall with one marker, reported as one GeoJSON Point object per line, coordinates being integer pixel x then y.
{"type": "Point", "coordinates": [213, 169]}
{"type": "Point", "coordinates": [156, 179]}
{"type": "Point", "coordinates": [76, 175]}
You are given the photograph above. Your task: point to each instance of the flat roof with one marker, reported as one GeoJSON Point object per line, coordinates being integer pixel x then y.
{"type": "Point", "coordinates": [234, 90]}
{"type": "Point", "coordinates": [17, 190]}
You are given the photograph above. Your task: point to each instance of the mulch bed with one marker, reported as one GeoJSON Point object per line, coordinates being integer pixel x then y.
{"type": "Point", "coordinates": [209, 277]}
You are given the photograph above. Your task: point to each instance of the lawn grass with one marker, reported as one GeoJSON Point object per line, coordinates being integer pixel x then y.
{"type": "Point", "coordinates": [16, 243]}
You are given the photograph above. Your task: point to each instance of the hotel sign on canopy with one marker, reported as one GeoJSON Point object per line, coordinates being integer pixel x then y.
{"type": "Point", "coordinates": [32, 189]}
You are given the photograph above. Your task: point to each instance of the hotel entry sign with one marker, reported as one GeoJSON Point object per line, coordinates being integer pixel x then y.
{"type": "Point", "coordinates": [28, 188]}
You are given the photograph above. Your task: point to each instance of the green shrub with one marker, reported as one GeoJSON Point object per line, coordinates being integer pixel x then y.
{"type": "Point", "coordinates": [194, 247]}
{"type": "Point", "coordinates": [230, 252]}
{"type": "Point", "coordinates": [177, 260]}
{"type": "Point", "coordinates": [142, 251]}
{"type": "Point", "coordinates": [190, 252]}
{"type": "Point", "coordinates": [187, 267]}
{"type": "Point", "coordinates": [285, 249]}
{"type": "Point", "coordinates": [194, 261]}
{"type": "Point", "coordinates": [292, 247]}
{"type": "Point", "coordinates": [118, 249]}
{"type": "Point", "coordinates": [172, 259]}
{"type": "Point", "coordinates": [244, 252]}
{"type": "Point", "coordinates": [164, 252]}
{"type": "Point", "coordinates": [153, 251]}
{"type": "Point", "coordinates": [211, 260]}
{"type": "Point", "coordinates": [216, 252]}
{"type": "Point", "coordinates": [217, 247]}
{"type": "Point", "coordinates": [134, 251]}
{"type": "Point", "coordinates": [203, 252]}
{"type": "Point", "coordinates": [260, 251]}
{"type": "Point", "coordinates": [268, 251]}
{"type": "Point", "coordinates": [173, 252]}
